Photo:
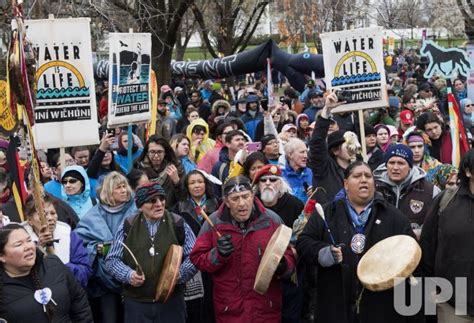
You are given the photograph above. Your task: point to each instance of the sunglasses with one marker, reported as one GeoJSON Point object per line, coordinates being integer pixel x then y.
{"type": "Point", "coordinates": [69, 180]}
{"type": "Point", "coordinates": [156, 199]}
{"type": "Point", "coordinates": [469, 105]}
{"type": "Point", "coordinates": [265, 179]}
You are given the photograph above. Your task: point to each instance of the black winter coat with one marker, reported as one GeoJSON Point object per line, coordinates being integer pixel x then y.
{"type": "Point", "coordinates": [447, 242]}
{"type": "Point", "coordinates": [338, 287]}
{"type": "Point", "coordinates": [327, 173]}
{"type": "Point", "coordinates": [288, 208]}
{"type": "Point", "coordinates": [19, 305]}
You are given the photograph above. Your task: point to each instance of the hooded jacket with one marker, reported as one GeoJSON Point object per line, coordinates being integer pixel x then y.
{"type": "Point", "coordinates": [251, 121]}
{"type": "Point", "coordinates": [413, 196]}
{"type": "Point", "coordinates": [100, 225]}
{"type": "Point", "coordinates": [206, 144]}
{"type": "Point", "coordinates": [82, 202]}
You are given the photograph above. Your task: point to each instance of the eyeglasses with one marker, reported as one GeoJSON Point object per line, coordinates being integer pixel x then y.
{"type": "Point", "coordinates": [156, 152]}
{"type": "Point", "coordinates": [156, 199]}
{"type": "Point", "coordinates": [272, 179]}
{"type": "Point", "coordinates": [469, 105]}
{"type": "Point", "coordinates": [69, 180]}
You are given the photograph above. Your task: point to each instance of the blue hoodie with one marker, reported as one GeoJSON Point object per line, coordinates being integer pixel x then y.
{"type": "Point", "coordinates": [82, 202]}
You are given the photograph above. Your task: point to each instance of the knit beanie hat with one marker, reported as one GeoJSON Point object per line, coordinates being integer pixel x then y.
{"type": "Point", "coordinates": [147, 192]}
{"type": "Point", "coordinates": [399, 150]}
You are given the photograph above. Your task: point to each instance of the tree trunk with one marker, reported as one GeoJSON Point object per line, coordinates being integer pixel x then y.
{"type": "Point", "coordinates": [161, 64]}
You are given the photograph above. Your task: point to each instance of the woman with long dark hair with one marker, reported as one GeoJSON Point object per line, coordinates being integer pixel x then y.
{"type": "Point", "coordinates": [197, 195]}
{"type": "Point", "coordinates": [160, 164]}
{"type": "Point", "coordinates": [34, 287]}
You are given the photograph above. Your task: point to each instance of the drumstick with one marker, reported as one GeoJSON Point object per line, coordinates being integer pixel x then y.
{"type": "Point", "coordinates": [204, 215]}
{"type": "Point", "coordinates": [139, 268]}
{"type": "Point", "coordinates": [320, 210]}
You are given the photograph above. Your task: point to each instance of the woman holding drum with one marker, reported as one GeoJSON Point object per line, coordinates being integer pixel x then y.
{"type": "Point", "coordinates": [353, 223]}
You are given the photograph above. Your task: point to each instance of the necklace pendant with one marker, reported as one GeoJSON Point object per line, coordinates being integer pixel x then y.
{"type": "Point", "coordinates": [151, 251]}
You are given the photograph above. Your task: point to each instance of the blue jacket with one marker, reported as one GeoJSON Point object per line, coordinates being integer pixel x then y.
{"type": "Point", "coordinates": [251, 123]}
{"type": "Point", "coordinates": [188, 165]}
{"type": "Point", "coordinates": [99, 225]}
{"type": "Point", "coordinates": [122, 160]}
{"type": "Point", "coordinates": [82, 202]}
{"type": "Point", "coordinates": [296, 180]}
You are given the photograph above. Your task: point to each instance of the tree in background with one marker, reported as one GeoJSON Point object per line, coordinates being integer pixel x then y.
{"type": "Point", "coordinates": [227, 26]}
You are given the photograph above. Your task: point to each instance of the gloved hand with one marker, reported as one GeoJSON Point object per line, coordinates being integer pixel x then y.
{"type": "Point", "coordinates": [225, 246]}
{"type": "Point", "coordinates": [282, 267]}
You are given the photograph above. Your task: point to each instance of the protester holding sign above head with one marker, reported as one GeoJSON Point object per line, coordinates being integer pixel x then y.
{"type": "Point", "coordinates": [327, 157]}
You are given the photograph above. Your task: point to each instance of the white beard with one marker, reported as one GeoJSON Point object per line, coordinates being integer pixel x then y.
{"type": "Point", "coordinates": [268, 195]}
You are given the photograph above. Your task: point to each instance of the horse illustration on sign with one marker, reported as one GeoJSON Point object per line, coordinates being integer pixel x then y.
{"type": "Point", "coordinates": [444, 60]}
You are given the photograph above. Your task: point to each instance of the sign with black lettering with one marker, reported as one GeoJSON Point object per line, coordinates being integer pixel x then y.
{"type": "Point", "coordinates": [353, 63]}
{"type": "Point", "coordinates": [65, 90]}
{"type": "Point", "coordinates": [129, 78]}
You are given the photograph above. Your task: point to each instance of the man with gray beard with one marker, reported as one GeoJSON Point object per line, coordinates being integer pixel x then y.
{"type": "Point", "coordinates": [275, 194]}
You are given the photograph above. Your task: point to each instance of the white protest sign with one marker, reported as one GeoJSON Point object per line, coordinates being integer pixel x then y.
{"type": "Point", "coordinates": [353, 62]}
{"type": "Point", "coordinates": [129, 78]}
{"type": "Point", "coordinates": [65, 112]}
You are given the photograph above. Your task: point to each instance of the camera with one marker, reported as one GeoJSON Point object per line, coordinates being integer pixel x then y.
{"type": "Point", "coordinates": [344, 96]}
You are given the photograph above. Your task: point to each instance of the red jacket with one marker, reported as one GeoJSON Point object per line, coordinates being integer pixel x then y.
{"type": "Point", "coordinates": [235, 301]}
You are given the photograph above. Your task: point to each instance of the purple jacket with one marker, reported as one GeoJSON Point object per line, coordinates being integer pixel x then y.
{"type": "Point", "coordinates": [79, 260]}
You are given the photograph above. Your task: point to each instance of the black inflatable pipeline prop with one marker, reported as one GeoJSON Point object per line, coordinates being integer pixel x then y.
{"type": "Point", "coordinates": [295, 67]}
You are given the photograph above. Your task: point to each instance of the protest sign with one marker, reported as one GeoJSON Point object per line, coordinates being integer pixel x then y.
{"type": "Point", "coordinates": [65, 112]}
{"type": "Point", "coordinates": [353, 64]}
{"type": "Point", "coordinates": [8, 121]}
{"type": "Point", "coordinates": [129, 78]}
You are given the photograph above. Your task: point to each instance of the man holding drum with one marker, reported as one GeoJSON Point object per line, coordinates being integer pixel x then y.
{"type": "Point", "coordinates": [148, 236]}
{"type": "Point", "coordinates": [232, 251]}
{"type": "Point", "coordinates": [336, 243]}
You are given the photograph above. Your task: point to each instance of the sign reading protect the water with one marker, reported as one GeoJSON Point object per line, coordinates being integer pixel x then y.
{"type": "Point", "coordinates": [353, 63]}
{"type": "Point", "coordinates": [129, 78]}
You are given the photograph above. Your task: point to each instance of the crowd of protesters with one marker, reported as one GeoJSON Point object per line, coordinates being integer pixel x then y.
{"type": "Point", "coordinates": [250, 162]}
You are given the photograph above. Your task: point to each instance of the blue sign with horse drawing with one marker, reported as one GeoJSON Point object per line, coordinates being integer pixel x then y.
{"type": "Point", "coordinates": [444, 61]}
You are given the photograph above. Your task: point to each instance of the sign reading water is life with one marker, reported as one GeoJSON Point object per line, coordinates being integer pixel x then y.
{"type": "Point", "coordinates": [353, 62]}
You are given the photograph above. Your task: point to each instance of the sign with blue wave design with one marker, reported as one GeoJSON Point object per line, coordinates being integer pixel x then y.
{"type": "Point", "coordinates": [65, 111]}
{"type": "Point", "coordinates": [353, 63]}
{"type": "Point", "coordinates": [129, 78]}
